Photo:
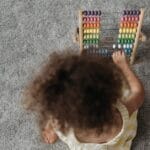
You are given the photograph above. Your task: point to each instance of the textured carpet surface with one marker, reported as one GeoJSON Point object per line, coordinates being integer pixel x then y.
{"type": "Point", "coordinates": [29, 31]}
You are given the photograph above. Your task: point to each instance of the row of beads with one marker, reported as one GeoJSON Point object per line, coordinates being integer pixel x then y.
{"type": "Point", "coordinates": [126, 36]}
{"type": "Point", "coordinates": [91, 19]}
{"type": "Point", "coordinates": [128, 25]}
{"type": "Point", "coordinates": [102, 52]}
{"type": "Point", "coordinates": [125, 41]}
{"type": "Point", "coordinates": [127, 30]}
{"type": "Point", "coordinates": [87, 46]}
{"type": "Point", "coordinates": [131, 12]}
{"type": "Point", "coordinates": [97, 12]}
{"type": "Point", "coordinates": [130, 18]}
{"type": "Point", "coordinates": [124, 46]}
{"type": "Point", "coordinates": [91, 41]}
{"type": "Point", "coordinates": [91, 36]}
{"type": "Point", "coordinates": [96, 30]}
{"type": "Point", "coordinates": [91, 25]}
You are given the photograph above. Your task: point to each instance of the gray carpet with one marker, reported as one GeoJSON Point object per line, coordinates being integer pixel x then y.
{"type": "Point", "coordinates": [29, 31]}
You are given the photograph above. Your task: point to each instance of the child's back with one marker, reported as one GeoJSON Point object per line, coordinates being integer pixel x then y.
{"type": "Point", "coordinates": [81, 99]}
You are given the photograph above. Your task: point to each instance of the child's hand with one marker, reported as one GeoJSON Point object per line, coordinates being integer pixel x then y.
{"type": "Point", "coordinates": [120, 59]}
{"type": "Point", "coordinates": [49, 136]}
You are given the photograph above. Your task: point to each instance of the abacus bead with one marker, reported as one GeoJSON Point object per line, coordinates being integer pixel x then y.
{"type": "Point", "coordinates": [125, 18]}
{"type": "Point", "coordinates": [98, 18]}
{"type": "Point", "coordinates": [119, 40]}
{"type": "Point", "coordinates": [96, 12]}
{"type": "Point", "coordinates": [122, 41]}
{"type": "Point", "coordinates": [119, 46]}
{"type": "Point", "coordinates": [84, 13]}
{"type": "Point", "coordinates": [134, 30]}
{"type": "Point", "coordinates": [126, 36]}
{"type": "Point", "coordinates": [114, 46]}
{"type": "Point", "coordinates": [122, 36]}
{"type": "Point", "coordinates": [120, 30]}
{"type": "Point", "coordinates": [97, 36]}
{"type": "Point", "coordinates": [128, 45]}
{"type": "Point", "coordinates": [136, 18]}
{"type": "Point", "coordinates": [128, 12]}
{"type": "Point", "coordinates": [135, 25]}
{"type": "Point", "coordinates": [84, 41]}
{"type": "Point", "coordinates": [132, 41]}
{"type": "Point", "coordinates": [121, 25]}
{"type": "Point", "coordinates": [132, 36]}
{"type": "Point", "coordinates": [124, 45]}
{"type": "Point", "coordinates": [124, 30]}
{"type": "Point", "coordinates": [129, 18]}
{"type": "Point", "coordinates": [127, 30]}
{"type": "Point", "coordinates": [129, 36]}
{"type": "Point", "coordinates": [97, 41]}
{"type": "Point", "coordinates": [131, 46]}
{"type": "Point", "coordinates": [131, 12]}
{"type": "Point", "coordinates": [134, 12]}
{"type": "Point", "coordinates": [125, 41]}
{"type": "Point", "coordinates": [119, 36]}
{"type": "Point", "coordinates": [132, 25]}
{"type": "Point", "coordinates": [89, 12]}
{"type": "Point", "coordinates": [138, 12]}
{"type": "Point", "coordinates": [84, 19]}
{"type": "Point", "coordinates": [99, 12]}
{"type": "Point", "coordinates": [124, 12]}
{"type": "Point", "coordinates": [122, 18]}
{"type": "Point", "coordinates": [93, 13]}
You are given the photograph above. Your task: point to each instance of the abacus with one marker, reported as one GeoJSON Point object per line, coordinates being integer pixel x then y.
{"type": "Point", "coordinates": [129, 33]}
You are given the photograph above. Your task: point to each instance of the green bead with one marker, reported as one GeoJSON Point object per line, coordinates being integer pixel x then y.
{"type": "Point", "coordinates": [84, 41]}
{"type": "Point", "coordinates": [119, 40]}
{"type": "Point", "coordinates": [125, 41]}
{"type": "Point", "coordinates": [132, 41]}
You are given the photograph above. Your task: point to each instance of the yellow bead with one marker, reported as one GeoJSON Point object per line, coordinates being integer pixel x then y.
{"type": "Point", "coordinates": [124, 30]}
{"type": "Point", "coordinates": [130, 30]}
{"type": "Point", "coordinates": [127, 30]}
{"type": "Point", "coordinates": [134, 30]}
{"type": "Point", "coordinates": [120, 30]}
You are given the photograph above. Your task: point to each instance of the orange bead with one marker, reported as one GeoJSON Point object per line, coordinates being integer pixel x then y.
{"type": "Point", "coordinates": [97, 25]}
{"type": "Point", "coordinates": [84, 25]}
{"type": "Point", "coordinates": [132, 25]}
{"type": "Point", "coordinates": [94, 25]}
{"type": "Point", "coordinates": [88, 25]}
{"type": "Point", "coordinates": [121, 25]}
{"type": "Point", "coordinates": [135, 25]}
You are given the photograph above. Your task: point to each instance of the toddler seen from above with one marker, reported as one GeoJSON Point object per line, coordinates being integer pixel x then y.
{"type": "Point", "coordinates": [89, 102]}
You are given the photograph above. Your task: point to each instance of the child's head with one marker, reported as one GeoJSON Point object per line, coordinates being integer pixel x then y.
{"type": "Point", "coordinates": [77, 91]}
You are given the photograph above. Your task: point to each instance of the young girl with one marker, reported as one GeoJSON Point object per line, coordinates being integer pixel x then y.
{"type": "Point", "coordinates": [90, 103]}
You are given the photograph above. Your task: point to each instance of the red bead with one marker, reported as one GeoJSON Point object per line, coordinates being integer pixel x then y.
{"type": "Point", "coordinates": [136, 18]}
{"type": "Point", "coordinates": [133, 18]}
{"type": "Point", "coordinates": [125, 18]}
{"type": "Point", "coordinates": [84, 19]}
{"type": "Point", "coordinates": [129, 18]}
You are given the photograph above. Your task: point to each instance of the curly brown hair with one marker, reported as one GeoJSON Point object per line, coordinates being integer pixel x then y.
{"type": "Point", "coordinates": [78, 91]}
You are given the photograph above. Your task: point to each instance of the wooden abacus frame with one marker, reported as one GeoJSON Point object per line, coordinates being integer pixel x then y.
{"type": "Point", "coordinates": [139, 34]}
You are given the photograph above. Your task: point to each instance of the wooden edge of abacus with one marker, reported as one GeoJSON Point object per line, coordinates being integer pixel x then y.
{"type": "Point", "coordinates": [80, 31]}
{"type": "Point", "coordinates": [137, 36]}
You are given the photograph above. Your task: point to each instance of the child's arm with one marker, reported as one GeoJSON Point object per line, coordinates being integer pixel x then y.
{"type": "Point", "coordinates": [136, 97]}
